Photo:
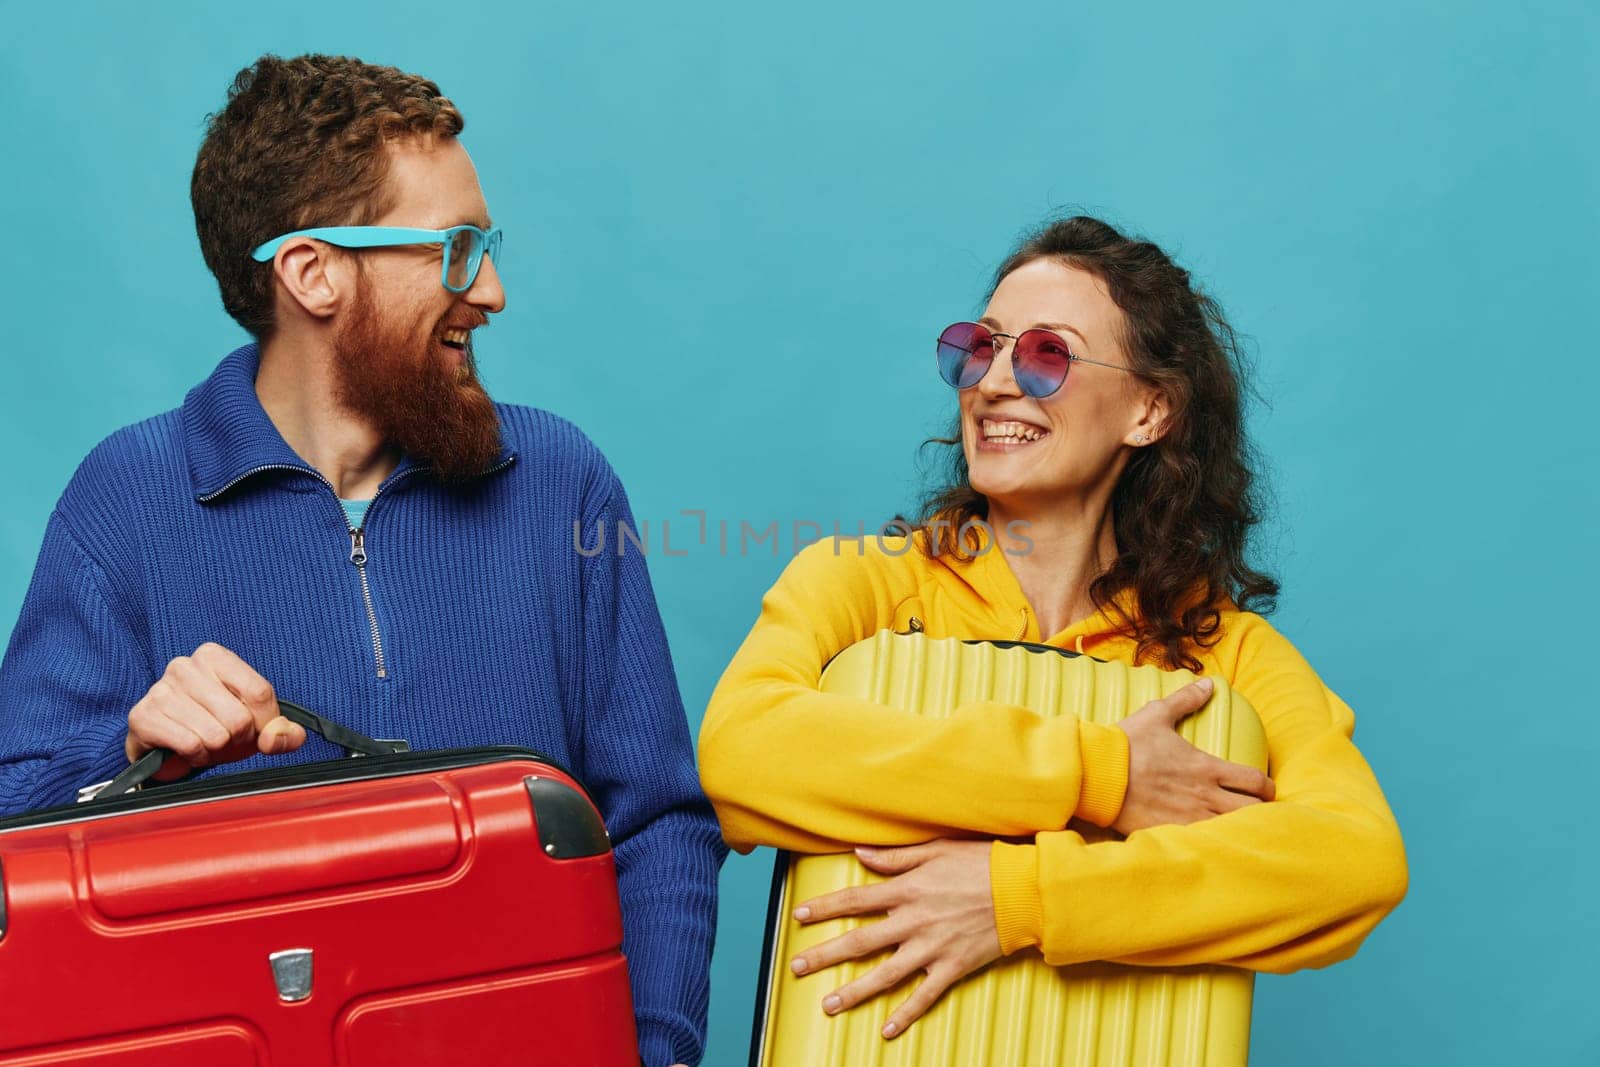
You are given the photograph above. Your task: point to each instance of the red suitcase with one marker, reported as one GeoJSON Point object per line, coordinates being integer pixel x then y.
{"type": "Point", "coordinates": [454, 907]}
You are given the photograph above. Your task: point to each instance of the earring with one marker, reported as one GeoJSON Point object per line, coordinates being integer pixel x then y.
{"type": "Point", "coordinates": [1141, 438]}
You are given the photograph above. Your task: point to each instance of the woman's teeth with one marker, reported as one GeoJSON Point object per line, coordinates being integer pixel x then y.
{"type": "Point", "coordinates": [1011, 432]}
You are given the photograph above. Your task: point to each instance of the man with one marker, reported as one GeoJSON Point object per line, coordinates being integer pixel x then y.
{"type": "Point", "coordinates": [342, 516]}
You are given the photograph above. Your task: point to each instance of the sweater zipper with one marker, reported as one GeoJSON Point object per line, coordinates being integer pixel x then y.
{"type": "Point", "coordinates": [358, 538]}
{"type": "Point", "coordinates": [358, 556]}
{"type": "Point", "coordinates": [358, 543]}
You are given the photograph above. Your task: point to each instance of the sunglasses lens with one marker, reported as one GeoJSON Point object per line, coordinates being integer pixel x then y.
{"type": "Point", "coordinates": [1040, 362]}
{"type": "Point", "coordinates": [964, 351]}
{"type": "Point", "coordinates": [462, 255]}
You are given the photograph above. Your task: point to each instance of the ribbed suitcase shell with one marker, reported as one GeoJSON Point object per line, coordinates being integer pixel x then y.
{"type": "Point", "coordinates": [461, 907]}
{"type": "Point", "coordinates": [1019, 1010]}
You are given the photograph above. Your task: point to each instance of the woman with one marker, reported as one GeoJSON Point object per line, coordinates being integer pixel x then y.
{"type": "Point", "coordinates": [1114, 504]}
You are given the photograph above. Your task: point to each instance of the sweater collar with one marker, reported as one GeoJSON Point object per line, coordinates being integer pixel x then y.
{"type": "Point", "coordinates": [229, 437]}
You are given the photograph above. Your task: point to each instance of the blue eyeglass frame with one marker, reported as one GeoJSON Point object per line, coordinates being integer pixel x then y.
{"type": "Point", "coordinates": [392, 236]}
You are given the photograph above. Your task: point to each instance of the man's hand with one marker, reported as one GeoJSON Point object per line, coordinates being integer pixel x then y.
{"type": "Point", "coordinates": [940, 921]}
{"type": "Point", "coordinates": [211, 707]}
{"type": "Point", "coordinates": [1172, 782]}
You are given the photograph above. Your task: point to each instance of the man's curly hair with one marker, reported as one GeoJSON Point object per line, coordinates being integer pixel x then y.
{"type": "Point", "coordinates": [301, 142]}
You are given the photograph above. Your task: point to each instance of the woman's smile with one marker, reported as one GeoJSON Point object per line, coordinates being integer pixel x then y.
{"type": "Point", "coordinates": [1008, 435]}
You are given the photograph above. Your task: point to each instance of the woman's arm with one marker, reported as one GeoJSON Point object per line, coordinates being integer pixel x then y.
{"type": "Point", "coordinates": [790, 766]}
{"type": "Point", "coordinates": [1275, 887]}
{"type": "Point", "coordinates": [1298, 882]}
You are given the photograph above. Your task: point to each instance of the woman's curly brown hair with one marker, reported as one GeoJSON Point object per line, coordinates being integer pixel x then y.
{"type": "Point", "coordinates": [301, 142]}
{"type": "Point", "coordinates": [1183, 507]}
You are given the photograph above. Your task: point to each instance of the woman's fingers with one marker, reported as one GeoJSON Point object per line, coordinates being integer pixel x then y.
{"type": "Point", "coordinates": [927, 993]}
{"type": "Point", "coordinates": [1241, 779]}
{"type": "Point", "coordinates": [862, 941]}
{"type": "Point", "coordinates": [896, 860]}
{"type": "Point", "coordinates": [885, 976]}
{"type": "Point", "coordinates": [941, 921]}
{"type": "Point", "coordinates": [857, 900]}
{"type": "Point", "coordinates": [1170, 781]}
{"type": "Point", "coordinates": [1181, 703]}
{"type": "Point", "coordinates": [1226, 801]}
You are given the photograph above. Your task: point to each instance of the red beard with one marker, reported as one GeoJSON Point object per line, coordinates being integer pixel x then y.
{"type": "Point", "coordinates": [396, 377]}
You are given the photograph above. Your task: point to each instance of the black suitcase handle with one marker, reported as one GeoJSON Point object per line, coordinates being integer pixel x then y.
{"type": "Point", "coordinates": [356, 744]}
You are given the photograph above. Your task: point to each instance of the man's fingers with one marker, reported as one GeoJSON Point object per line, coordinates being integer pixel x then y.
{"type": "Point", "coordinates": [1242, 779]}
{"type": "Point", "coordinates": [196, 682]}
{"type": "Point", "coordinates": [857, 900]}
{"type": "Point", "coordinates": [243, 680]}
{"type": "Point", "coordinates": [188, 748]}
{"type": "Point", "coordinates": [172, 769]}
{"type": "Point", "coordinates": [142, 718]}
{"type": "Point", "coordinates": [927, 993]}
{"type": "Point", "coordinates": [280, 735]}
{"type": "Point", "coordinates": [206, 708]}
{"type": "Point", "coordinates": [184, 710]}
{"type": "Point", "coordinates": [178, 737]}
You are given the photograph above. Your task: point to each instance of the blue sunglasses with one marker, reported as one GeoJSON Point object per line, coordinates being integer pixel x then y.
{"type": "Point", "coordinates": [464, 246]}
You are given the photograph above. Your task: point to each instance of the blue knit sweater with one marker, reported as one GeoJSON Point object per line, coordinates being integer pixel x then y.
{"type": "Point", "coordinates": [203, 525]}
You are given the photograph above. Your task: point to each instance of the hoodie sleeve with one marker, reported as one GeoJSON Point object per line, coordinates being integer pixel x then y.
{"type": "Point", "coordinates": [1297, 882]}
{"type": "Point", "coordinates": [790, 766]}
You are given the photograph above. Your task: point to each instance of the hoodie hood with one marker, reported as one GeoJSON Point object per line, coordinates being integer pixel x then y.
{"type": "Point", "coordinates": [988, 603]}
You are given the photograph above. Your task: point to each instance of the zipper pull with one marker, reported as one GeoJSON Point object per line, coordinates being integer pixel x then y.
{"type": "Point", "coordinates": [358, 548]}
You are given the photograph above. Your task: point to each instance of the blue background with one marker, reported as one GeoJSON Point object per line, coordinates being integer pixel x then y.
{"type": "Point", "coordinates": [734, 231]}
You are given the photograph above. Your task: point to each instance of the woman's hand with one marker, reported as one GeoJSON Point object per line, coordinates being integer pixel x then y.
{"type": "Point", "coordinates": [939, 920]}
{"type": "Point", "coordinates": [1169, 780]}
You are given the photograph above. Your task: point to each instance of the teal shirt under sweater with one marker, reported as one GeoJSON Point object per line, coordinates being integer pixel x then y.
{"type": "Point", "coordinates": [203, 525]}
{"type": "Point", "coordinates": [354, 511]}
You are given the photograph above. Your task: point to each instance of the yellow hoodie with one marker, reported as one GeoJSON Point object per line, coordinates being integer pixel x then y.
{"type": "Point", "coordinates": [1297, 882]}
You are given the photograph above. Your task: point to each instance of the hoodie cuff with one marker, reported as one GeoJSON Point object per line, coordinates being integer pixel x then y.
{"type": "Point", "coordinates": [1014, 882]}
{"type": "Point", "coordinates": [1103, 753]}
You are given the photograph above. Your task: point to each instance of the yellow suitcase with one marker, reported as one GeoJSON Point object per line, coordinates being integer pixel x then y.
{"type": "Point", "coordinates": [1019, 1010]}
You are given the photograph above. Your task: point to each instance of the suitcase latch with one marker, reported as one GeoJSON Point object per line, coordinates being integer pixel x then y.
{"type": "Point", "coordinates": [291, 972]}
